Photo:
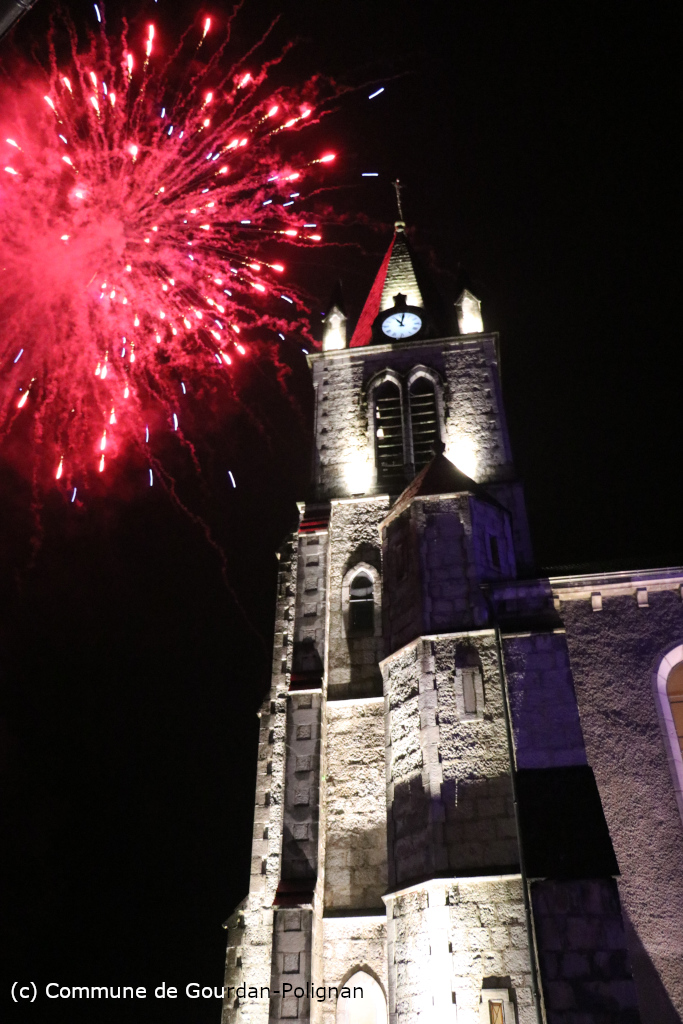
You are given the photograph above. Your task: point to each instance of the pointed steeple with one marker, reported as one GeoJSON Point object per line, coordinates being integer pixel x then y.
{"type": "Point", "coordinates": [334, 321]}
{"type": "Point", "coordinates": [400, 276]}
{"type": "Point", "coordinates": [468, 309]}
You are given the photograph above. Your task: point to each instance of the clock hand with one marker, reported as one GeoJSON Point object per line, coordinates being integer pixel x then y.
{"type": "Point", "coordinates": [401, 320]}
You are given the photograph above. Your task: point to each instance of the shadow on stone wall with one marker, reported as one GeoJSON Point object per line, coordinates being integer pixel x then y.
{"type": "Point", "coordinates": [653, 999]}
{"type": "Point", "coordinates": [480, 827]}
{"type": "Point", "coordinates": [475, 818]}
{"type": "Point", "coordinates": [305, 658]}
{"type": "Point", "coordinates": [365, 677]}
{"type": "Point", "coordinates": [299, 849]}
{"type": "Point", "coordinates": [356, 869]}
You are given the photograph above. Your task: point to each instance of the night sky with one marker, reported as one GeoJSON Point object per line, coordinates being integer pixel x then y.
{"type": "Point", "coordinates": [539, 149]}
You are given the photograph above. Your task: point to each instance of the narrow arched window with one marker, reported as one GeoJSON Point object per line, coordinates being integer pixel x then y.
{"type": "Point", "coordinates": [389, 435]}
{"type": "Point", "coordinates": [424, 420]}
{"type": "Point", "coordinates": [674, 691]}
{"type": "Point", "coordinates": [469, 684]}
{"type": "Point", "coordinates": [361, 605]}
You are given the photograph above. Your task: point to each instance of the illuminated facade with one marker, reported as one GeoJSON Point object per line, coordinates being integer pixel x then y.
{"type": "Point", "coordinates": [469, 792]}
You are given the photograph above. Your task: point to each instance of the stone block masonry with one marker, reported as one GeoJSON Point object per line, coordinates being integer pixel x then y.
{"type": "Point", "coordinates": [450, 940]}
{"type": "Point", "coordinates": [545, 717]}
{"type": "Point", "coordinates": [302, 783]}
{"type": "Point", "coordinates": [353, 661]}
{"type": "Point", "coordinates": [583, 953]}
{"type": "Point", "coordinates": [309, 613]}
{"type": "Point", "coordinates": [389, 770]}
{"type": "Point", "coordinates": [250, 927]}
{"type": "Point", "coordinates": [291, 964]}
{"type": "Point", "coordinates": [449, 795]}
{"type": "Point", "coordinates": [350, 943]}
{"type": "Point", "coordinates": [613, 656]}
{"type": "Point", "coordinates": [472, 406]}
{"type": "Point", "coordinates": [356, 849]}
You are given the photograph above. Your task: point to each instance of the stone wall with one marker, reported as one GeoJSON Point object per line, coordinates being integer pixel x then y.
{"type": "Point", "coordinates": [302, 784]}
{"type": "Point", "coordinates": [436, 554]}
{"type": "Point", "coordinates": [545, 716]}
{"type": "Point", "coordinates": [291, 964]}
{"type": "Point", "coordinates": [341, 438]}
{"type": "Point", "coordinates": [250, 927]}
{"type": "Point", "coordinates": [449, 796]}
{"type": "Point", "coordinates": [353, 662]}
{"type": "Point", "coordinates": [491, 523]}
{"type": "Point", "coordinates": [582, 952]}
{"type": "Point", "coordinates": [475, 760]}
{"type": "Point", "coordinates": [310, 609]}
{"type": "Point", "coordinates": [473, 411]}
{"type": "Point", "coordinates": [613, 653]}
{"type": "Point", "coordinates": [454, 559]}
{"type": "Point", "coordinates": [451, 941]}
{"type": "Point", "coordinates": [475, 405]}
{"type": "Point", "coordinates": [356, 846]}
{"type": "Point", "coordinates": [350, 944]}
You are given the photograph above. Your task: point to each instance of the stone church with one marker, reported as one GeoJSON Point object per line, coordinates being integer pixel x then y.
{"type": "Point", "coordinates": [469, 791]}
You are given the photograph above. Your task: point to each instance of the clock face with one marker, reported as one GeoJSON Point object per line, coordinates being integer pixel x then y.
{"type": "Point", "coordinates": [401, 325]}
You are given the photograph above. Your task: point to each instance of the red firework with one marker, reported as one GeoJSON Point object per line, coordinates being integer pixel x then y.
{"type": "Point", "coordinates": [139, 221]}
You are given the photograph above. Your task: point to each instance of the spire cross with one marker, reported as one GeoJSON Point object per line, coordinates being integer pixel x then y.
{"type": "Point", "coordinates": [398, 187]}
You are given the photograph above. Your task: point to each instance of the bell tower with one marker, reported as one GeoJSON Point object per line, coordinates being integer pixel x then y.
{"type": "Point", "coordinates": [383, 819]}
{"type": "Point", "coordinates": [387, 854]}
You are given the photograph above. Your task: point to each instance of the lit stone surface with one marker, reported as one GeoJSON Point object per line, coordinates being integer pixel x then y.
{"type": "Point", "coordinates": [451, 938]}
{"type": "Point", "coordinates": [449, 798]}
{"type": "Point", "coordinates": [356, 852]}
{"type": "Point", "coordinates": [350, 943]}
{"type": "Point", "coordinates": [468, 309]}
{"type": "Point", "coordinates": [400, 276]}
{"type": "Point", "coordinates": [250, 927]}
{"type": "Point", "coordinates": [473, 408]}
{"type": "Point", "coordinates": [474, 391]}
{"type": "Point", "coordinates": [436, 555]}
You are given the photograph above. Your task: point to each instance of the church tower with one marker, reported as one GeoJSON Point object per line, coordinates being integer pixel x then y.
{"type": "Point", "coordinates": [387, 857]}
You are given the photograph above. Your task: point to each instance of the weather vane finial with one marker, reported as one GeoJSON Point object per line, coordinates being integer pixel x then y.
{"type": "Point", "coordinates": [398, 188]}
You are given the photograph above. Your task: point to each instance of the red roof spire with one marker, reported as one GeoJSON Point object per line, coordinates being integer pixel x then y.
{"type": "Point", "coordinates": [363, 332]}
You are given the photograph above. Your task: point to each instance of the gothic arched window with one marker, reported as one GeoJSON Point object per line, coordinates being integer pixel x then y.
{"type": "Point", "coordinates": [424, 420]}
{"type": "Point", "coordinates": [389, 435]}
{"type": "Point", "coordinates": [368, 1008]}
{"type": "Point", "coordinates": [361, 605]}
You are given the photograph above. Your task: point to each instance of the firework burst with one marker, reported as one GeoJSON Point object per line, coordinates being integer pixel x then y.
{"type": "Point", "coordinates": [143, 211]}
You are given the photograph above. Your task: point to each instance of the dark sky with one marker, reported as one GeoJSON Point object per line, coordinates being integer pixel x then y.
{"type": "Point", "coordinates": [539, 147]}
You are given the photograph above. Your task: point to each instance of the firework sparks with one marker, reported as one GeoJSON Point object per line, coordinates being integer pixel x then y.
{"type": "Point", "coordinates": [126, 210]}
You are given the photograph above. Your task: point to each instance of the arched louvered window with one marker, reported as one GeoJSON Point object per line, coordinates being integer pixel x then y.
{"type": "Point", "coordinates": [674, 691]}
{"type": "Point", "coordinates": [361, 605]}
{"type": "Point", "coordinates": [424, 420]}
{"type": "Point", "coordinates": [389, 436]}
